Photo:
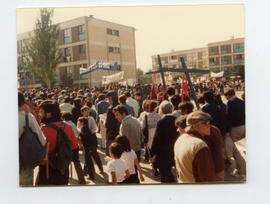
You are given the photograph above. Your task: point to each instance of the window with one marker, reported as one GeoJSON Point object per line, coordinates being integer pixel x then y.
{"type": "Point", "coordinates": [174, 57]}
{"type": "Point", "coordinates": [110, 49]}
{"type": "Point", "coordinates": [114, 49]}
{"type": "Point", "coordinates": [112, 32]}
{"type": "Point", "coordinates": [212, 61]}
{"type": "Point", "coordinates": [118, 67]}
{"type": "Point", "coordinates": [67, 51]}
{"type": "Point", "coordinates": [116, 32]}
{"type": "Point", "coordinates": [109, 31]}
{"type": "Point", "coordinates": [67, 36]}
{"type": "Point", "coordinates": [238, 59]}
{"type": "Point", "coordinates": [238, 47]}
{"type": "Point", "coordinates": [81, 32]}
{"type": "Point", "coordinates": [84, 77]}
{"type": "Point", "coordinates": [69, 70]}
{"type": "Point", "coordinates": [82, 48]}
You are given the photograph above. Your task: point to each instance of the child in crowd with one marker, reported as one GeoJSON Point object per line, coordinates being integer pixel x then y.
{"type": "Point", "coordinates": [129, 156]}
{"type": "Point", "coordinates": [117, 168]}
{"type": "Point", "coordinates": [89, 142]}
{"type": "Point", "coordinates": [67, 117]}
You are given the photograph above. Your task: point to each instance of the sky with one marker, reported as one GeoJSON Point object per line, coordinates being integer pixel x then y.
{"type": "Point", "coordinates": [159, 29]}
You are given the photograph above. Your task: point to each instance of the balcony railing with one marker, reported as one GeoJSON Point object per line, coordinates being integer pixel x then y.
{"type": "Point", "coordinates": [211, 53]}
{"type": "Point", "coordinates": [82, 36]}
{"type": "Point", "coordinates": [223, 51]}
{"type": "Point", "coordinates": [238, 61]}
{"type": "Point", "coordinates": [239, 49]}
{"type": "Point", "coordinates": [212, 63]}
{"type": "Point", "coordinates": [67, 40]}
{"type": "Point", "coordinates": [224, 62]}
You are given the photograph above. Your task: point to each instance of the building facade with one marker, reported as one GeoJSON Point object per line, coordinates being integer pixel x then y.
{"type": "Point", "coordinates": [217, 56]}
{"type": "Point", "coordinates": [86, 40]}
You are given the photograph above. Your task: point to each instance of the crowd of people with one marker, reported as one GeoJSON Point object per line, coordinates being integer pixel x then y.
{"type": "Point", "coordinates": [168, 133]}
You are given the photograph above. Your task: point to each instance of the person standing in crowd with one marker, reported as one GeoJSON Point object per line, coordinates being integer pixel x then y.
{"type": "Point", "coordinates": [76, 110]}
{"type": "Point", "coordinates": [26, 174]}
{"type": "Point", "coordinates": [130, 127]}
{"type": "Point", "coordinates": [92, 112]}
{"type": "Point", "coordinates": [139, 99]}
{"type": "Point", "coordinates": [102, 105]}
{"type": "Point", "coordinates": [235, 131]}
{"type": "Point", "coordinates": [67, 117]}
{"type": "Point", "coordinates": [66, 106]}
{"type": "Point", "coordinates": [185, 108]}
{"type": "Point", "coordinates": [117, 168]}
{"type": "Point", "coordinates": [164, 139]}
{"type": "Point", "coordinates": [111, 123]}
{"type": "Point", "coordinates": [193, 158]}
{"type": "Point", "coordinates": [122, 100]}
{"type": "Point", "coordinates": [130, 157]}
{"type": "Point", "coordinates": [175, 100]}
{"type": "Point", "coordinates": [50, 113]}
{"type": "Point", "coordinates": [133, 103]}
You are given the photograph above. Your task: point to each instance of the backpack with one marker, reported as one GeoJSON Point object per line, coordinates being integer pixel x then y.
{"type": "Point", "coordinates": [61, 156]}
{"type": "Point", "coordinates": [31, 151]}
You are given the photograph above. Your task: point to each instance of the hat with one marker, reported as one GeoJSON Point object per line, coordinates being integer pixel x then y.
{"type": "Point", "coordinates": [197, 116]}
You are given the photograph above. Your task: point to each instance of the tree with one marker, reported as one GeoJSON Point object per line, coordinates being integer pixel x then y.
{"type": "Point", "coordinates": [42, 52]}
{"type": "Point", "coordinates": [143, 78]}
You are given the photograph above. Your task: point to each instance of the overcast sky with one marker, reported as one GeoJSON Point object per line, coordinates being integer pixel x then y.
{"type": "Point", "coordinates": [159, 29]}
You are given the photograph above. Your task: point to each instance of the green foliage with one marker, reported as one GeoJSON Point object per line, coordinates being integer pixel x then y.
{"type": "Point", "coordinates": [143, 78]}
{"type": "Point", "coordinates": [42, 52]}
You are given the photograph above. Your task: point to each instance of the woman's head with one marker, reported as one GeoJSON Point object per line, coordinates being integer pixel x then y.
{"type": "Point", "coordinates": [82, 121]}
{"type": "Point", "coordinates": [115, 150]}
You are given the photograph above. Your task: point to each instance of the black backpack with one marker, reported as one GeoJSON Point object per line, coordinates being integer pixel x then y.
{"type": "Point", "coordinates": [31, 151]}
{"type": "Point", "coordinates": [61, 156]}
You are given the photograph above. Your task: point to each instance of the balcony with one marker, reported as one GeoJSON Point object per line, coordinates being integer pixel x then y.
{"type": "Point", "coordinates": [238, 50]}
{"type": "Point", "coordinates": [223, 51]}
{"type": "Point", "coordinates": [81, 36]}
{"type": "Point", "coordinates": [211, 53]}
{"type": "Point", "coordinates": [223, 62]}
{"type": "Point", "coordinates": [212, 64]}
{"type": "Point", "coordinates": [67, 40]}
{"type": "Point", "coordinates": [238, 61]}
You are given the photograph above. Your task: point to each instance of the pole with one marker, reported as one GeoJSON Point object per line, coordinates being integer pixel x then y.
{"type": "Point", "coordinates": [190, 84]}
{"type": "Point", "coordinates": [25, 78]}
{"type": "Point", "coordinates": [162, 75]}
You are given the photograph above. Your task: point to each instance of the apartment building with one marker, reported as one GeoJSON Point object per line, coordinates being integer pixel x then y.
{"type": "Point", "coordinates": [225, 55]}
{"type": "Point", "coordinates": [86, 40]}
{"type": "Point", "coordinates": [217, 56]}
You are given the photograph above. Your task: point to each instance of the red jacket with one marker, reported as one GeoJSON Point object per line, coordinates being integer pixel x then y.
{"type": "Point", "coordinates": [51, 133]}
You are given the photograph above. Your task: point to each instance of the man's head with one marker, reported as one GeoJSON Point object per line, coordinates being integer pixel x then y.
{"type": "Point", "coordinates": [120, 112]}
{"type": "Point", "coordinates": [112, 97]}
{"type": "Point", "coordinates": [127, 94]}
{"type": "Point", "coordinates": [122, 99]}
{"type": "Point", "coordinates": [175, 101]}
{"type": "Point", "coordinates": [49, 109]}
{"type": "Point", "coordinates": [85, 111]}
{"type": "Point", "coordinates": [185, 107]}
{"type": "Point", "coordinates": [170, 91]}
{"type": "Point", "coordinates": [180, 123]}
{"type": "Point", "coordinates": [199, 122]}
{"type": "Point", "coordinates": [208, 96]}
{"type": "Point", "coordinates": [165, 107]}
{"type": "Point", "coordinates": [138, 96]}
{"type": "Point", "coordinates": [229, 92]}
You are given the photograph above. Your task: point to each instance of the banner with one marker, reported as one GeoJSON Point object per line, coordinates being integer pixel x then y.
{"type": "Point", "coordinates": [113, 78]}
{"type": "Point", "coordinates": [217, 75]}
{"type": "Point", "coordinates": [98, 65]}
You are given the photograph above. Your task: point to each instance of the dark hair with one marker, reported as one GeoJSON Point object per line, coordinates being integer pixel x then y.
{"type": "Point", "coordinates": [124, 142]}
{"type": "Point", "coordinates": [20, 99]}
{"type": "Point", "coordinates": [218, 99]}
{"type": "Point", "coordinates": [77, 102]}
{"type": "Point", "coordinates": [52, 107]}
{"type": "Point", "coordinates": [181, 121]}
{"type": "Point", "coordinates": [171, 91]}
{"type": "Point", "coordinates": [84, 120]}
{"type": "Point", "coordinates": [186, 105]}
{"type": "Point", "coordinates": [66, 99]}
{"type": "Point", "coordinates": [101, 97]}
{"type": "Point", "coordinates": [88, 102]}
{"type": "Point", "coordinates": [113, 95]}
{"type": "Point", "coordinates": [67, 115]}
{"type": "Point", "coordinates": [138, 94]}
{"type": "Point", "coordinates": [200, 99]}
{"type": "Point", "coordinates": [127, 94]}
{"type": "Point", "coordinates": [121, 109]}
{"type": "Point", "coordinates": [208, 96]}
{"type": "Point", "coordinates": [229, 92]}
{"type": "Point", "coordinates": [122, 99]}
{"type": "Point", "coordinates": [116, 150]}
{"type": "Point", "coordinates": [175, 100]}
